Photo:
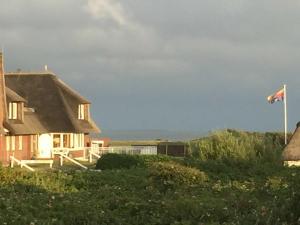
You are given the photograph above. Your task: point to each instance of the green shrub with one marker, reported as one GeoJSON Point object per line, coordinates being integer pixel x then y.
{"type": "Point", "coordinates": [118, 161]}
{"type": "Point", "coordinates": [171, 174]}
{"type": "Point", "coordinates": [123, 161]}
{"type": "Point", "coordinates": [239, 169]}
{"type": "Point", "coordinates": [148, 159]}
{"type": "Point", "coordinates": [162, 193]}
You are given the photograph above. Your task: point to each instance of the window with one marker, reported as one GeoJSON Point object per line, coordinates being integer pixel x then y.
{"type": "Point", "coordinates": [13, 110]}
{"type": "Point", "coordinates": [13, 143]}
{"type": "Point", "coordinates": [56, 140]}
{"type": "Point", "coordinates": [78, 140]}
{"type": "Point", "coordinates": [81, 140]}
{"type": "Point", "coordinates": [20, 142]}
{"type": "Point", "coordinates": [33, 143]}
{"type": "Point", "coordinates": [66, 140]}
{"type": "Point", "coordinates": [10, 143]}
{"type": "Point", "coordinates": [83, 111]}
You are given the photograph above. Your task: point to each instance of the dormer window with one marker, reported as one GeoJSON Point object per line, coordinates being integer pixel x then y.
{"type": "Point", "coordinates": [13, 111]}
{"type": "Point", "coordinates": [83, 111]}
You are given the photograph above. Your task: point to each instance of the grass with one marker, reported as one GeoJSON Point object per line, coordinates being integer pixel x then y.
{"type": "Point", "coordinates": [163, 190]}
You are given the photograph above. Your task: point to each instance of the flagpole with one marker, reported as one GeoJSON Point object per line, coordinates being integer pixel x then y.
{"type": "Point", "coordinates": [285, 115]}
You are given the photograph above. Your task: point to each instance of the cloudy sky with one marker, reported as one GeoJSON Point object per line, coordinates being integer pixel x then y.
{"type": "Point", "coordinates": [195, 65]}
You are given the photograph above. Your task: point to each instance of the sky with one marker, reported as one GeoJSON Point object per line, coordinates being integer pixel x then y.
{"type": "Point", "coordinates": [193, 65]}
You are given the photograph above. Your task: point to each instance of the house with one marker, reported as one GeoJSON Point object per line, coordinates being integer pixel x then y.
{"type": "Point", "coordinates": [40, 115]}
{"type": "Point", "coordinates": [291, 153]}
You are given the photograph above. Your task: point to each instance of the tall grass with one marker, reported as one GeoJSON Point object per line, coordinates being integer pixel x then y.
{"type": "Point", "coordinates": [238, 145]}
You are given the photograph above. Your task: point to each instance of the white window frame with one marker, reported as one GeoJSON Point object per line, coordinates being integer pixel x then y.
{"type": "Point", "coordinates": [13, 143]}
{"type": "Point", "coordinates": [78, 140]}
{"type": "Point", "coordinates": [20, 141]}
{"type": "Point", "coordinates": [60, 140]}
{"type": "Point", "coordinates": [81, 112]}
{"type": "Point", "coordinates": [13, 110]}
{"type": "Point", "coordinates": [33, 143]}
{"type": "Point", "coordinates": [81, 140]}
{"type": "Point", "coordinates": [10, 143]}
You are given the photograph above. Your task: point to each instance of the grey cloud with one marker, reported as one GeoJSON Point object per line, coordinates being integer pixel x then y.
{"type": "Point", "coordinates": [190, 64]}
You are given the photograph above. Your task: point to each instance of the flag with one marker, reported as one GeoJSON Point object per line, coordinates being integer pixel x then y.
{"type": "Point", "coordinates": [278, 96]}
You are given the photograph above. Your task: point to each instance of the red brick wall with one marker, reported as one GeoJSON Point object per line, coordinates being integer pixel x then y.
{"type": "Point", "coordinates": [76, 154]}
{"type": "Point", "coordinates": [25, 153]}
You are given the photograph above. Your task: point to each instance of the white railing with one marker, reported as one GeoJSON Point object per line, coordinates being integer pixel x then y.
{"type": "Point", "coordinates": [19, 162]}
{"type": "Point", "coordinates": [97, 152]}
{"type": "Point", "coordinates": [58, 151]}
{"type": "Point", "coordinates": [130, 150]}
{"type": "Point", "coordinates": [91, 154]}
{"type": "Point", "coordinates": [63, 153]}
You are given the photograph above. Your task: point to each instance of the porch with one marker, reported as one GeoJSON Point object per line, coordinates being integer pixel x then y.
{"type": "Point", "coordinates": [85, 154]}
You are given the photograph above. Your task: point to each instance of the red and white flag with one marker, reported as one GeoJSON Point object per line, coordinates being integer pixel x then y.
{"type": "Point", "coordinates": [278, 96]}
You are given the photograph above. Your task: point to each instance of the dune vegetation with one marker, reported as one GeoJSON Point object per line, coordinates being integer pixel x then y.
{"type": "Point", "coordinates": [229, 177]}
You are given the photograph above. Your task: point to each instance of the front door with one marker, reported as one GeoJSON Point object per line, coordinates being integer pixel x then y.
{"type": "Point", "coordinates": [45, 145]}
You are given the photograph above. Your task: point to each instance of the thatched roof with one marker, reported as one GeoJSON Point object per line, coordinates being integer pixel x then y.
{"type": "Point", "coordinates": [30, 125]}
{"type": "Point", "coordinates": [292, 151]}
{"type": "Point", "coordinates": [55, 105]}
{"type": "Point", "coordinates": [12, 96]}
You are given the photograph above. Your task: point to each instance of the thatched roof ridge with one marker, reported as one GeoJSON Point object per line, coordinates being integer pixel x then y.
{"type": "Point", "coordinates": [25, 73]}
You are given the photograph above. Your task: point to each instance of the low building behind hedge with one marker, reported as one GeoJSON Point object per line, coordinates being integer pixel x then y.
{"type": "Point", "coordinates": [164, 147]}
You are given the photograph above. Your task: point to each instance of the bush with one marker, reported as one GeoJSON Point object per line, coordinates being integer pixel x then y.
{"type": "Point", "coordinates": [171, 174]}
{"type": "Point", "coordinates": [234, 169]}
{"type": "Point", "coordinates": [123, 161]}
{"type": "Point", "coordinates": [163, 193]}
{"type": "Point", "coordinates": [149, 159]}
{"type": "Point", "coordinates": [238, 145]}
{"type": "Point", "coordinates": [118, 161]}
